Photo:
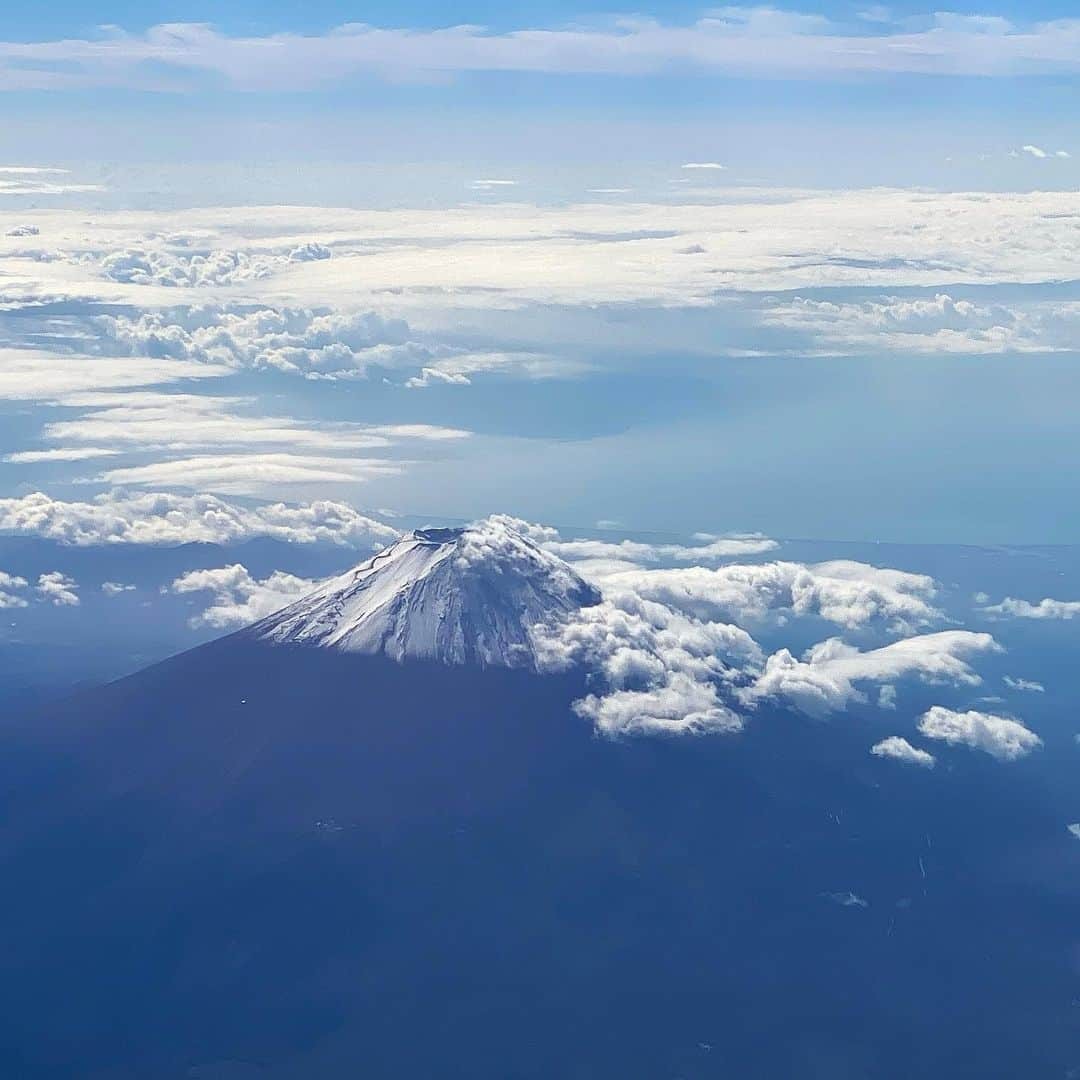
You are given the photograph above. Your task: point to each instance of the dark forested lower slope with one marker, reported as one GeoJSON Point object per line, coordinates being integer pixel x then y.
{"type": "Point", "coordinates": [269, 860]}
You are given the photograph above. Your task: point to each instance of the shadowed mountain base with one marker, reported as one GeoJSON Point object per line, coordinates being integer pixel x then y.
{"type": "Point", "coordinates": [276, 862]}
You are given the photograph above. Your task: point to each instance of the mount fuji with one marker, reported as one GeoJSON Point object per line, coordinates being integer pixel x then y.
{"type": "Point", "coordinates": [369, 836]}
{"type": "Point", "coordinates": [455, 596]}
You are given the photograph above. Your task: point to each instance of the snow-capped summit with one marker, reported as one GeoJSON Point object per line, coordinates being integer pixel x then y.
{"type": "Point", "coordinates": [458, 596]}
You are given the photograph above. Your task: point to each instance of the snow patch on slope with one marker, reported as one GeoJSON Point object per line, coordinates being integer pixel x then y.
{"type": "Point", "coordinates": [457, 596]}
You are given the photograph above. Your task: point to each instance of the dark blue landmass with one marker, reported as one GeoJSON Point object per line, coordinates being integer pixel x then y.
{"type": "Point", "coordinates": [260, 861]}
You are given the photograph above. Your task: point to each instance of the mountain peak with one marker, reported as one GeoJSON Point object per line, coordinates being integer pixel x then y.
{"type": "Point", "coordinates": [454, 595]}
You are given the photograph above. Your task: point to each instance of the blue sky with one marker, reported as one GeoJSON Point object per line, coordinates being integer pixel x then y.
{"type": "Point", "coordinates": [771, 93]}
{"type": "Point", "coordinates": [73, 17]}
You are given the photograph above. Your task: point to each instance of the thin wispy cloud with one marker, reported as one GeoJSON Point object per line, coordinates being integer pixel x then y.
{"type": "Point", "coordinates": [734, 41]}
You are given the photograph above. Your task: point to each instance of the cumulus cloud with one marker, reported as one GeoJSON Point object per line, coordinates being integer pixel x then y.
{"type": "Point", "coordinates": [660, 668]}
{"type": "Point", "coordinates": [316, 342]}
{"type": "Point", "coordinates": [1044, 609]}
{"type": "Point", "coordinates": [58, 589]}
{"type": "Point", "coordinates": [671, 656]}
{"type": "Point", "coordinates": [671, 652]}
{"type": "Point", "coordinates": [998, 736]}
{"type": "Point", "coordinates": [679, 704]}
{"type": "Point", "coordinates": [160, 267]}
{"type": "Point", "coordinates": [941, 323]}
{"type": "Point", "coordinates": [827, 678]}
{"type": "Point", "coordinates": [843, 592]}
{"type": "Point", "coordinates": [10, 586]}
{"type": "Point", "coordinates": [899, 749]}
{"type": "Point", "coordinates": [119, 517]}
{"type": "Point", "coordinates": [238, 599]}
{"type": "Point", "coordinates": [305, 340]}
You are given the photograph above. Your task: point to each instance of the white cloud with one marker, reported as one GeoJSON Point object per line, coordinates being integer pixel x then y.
{"type": "Point", "coordinates": [846, 593]}
{"type": "Point", "coordinates": [318, 343]}
{"type": "Point", "coordinates": [34, 185]}
{"type": "Point", "coordinates": [50, 376]}
{"type": "Point", "coordinates": [712, 165]}
{"type": "Point", "coordinates": [634, 551]}
{"type": "Point", "coordinates": [178, 422]}
{"type": "Point", "coordinates": [238, 598]}
{"type": "Point", "coordinates": [459, 370]}
{"type": "Point", "coordinates": [762, 42]}
{"type": "Point", "coordinates": [305, 340]}
{"type": "Point", "coordinates": [58, 589]}
{"type": "Point", "coordinates": [1023, 684]}
{"type": "Point", "coordinates": [679, 704]}
{"type": "Point", "coordinates": [899, 749]}
{"type": "Point", "coordinates": [1034, 151]}
{"type": "Point", "coordinates": [10, 585]}
{"type": "Point", "coordinates": [399, 279]}
{"type": "Point", "coordinates": [213, 444]}
{"type": "Point", "coordinates": [31, 170]}
{"type": "Point", "coordinates": [119, 517]}
{"type": "Point", "coordinates": [250, 474]}
{"type": "Point", "coordinates": [660, 667]}
{"type": "Point", "coordinates": [115, 588]}
{"type": "Point", "coordinates": [1044, 609]}
{"type": "Point", "coordinates": [998, 736]}
{"type": "Point", "coordinates": [63, 453]}
{"type": "Point", "coordinates": [827, 679]}
{"type": "Point", "coordinates": [887, 697]}
{"type": "Point", "coordinates": [150, 266]}
{"type": "Point", "coordinates": [672, 656]}
{"type": "Point", "coordinates": [930, 325]}
{"type": "Point", "coordinates": [350, 312]}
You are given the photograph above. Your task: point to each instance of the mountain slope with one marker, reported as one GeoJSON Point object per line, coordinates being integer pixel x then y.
{"type": "Point", "coordinates": [458, 596]}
